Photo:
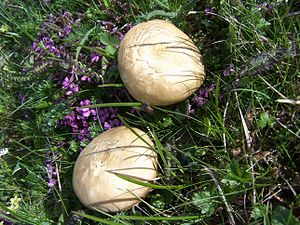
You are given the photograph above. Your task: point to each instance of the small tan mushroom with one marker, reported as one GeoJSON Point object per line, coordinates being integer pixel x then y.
{"type": "Point", "coordinates": [116, 151]}
{"type": "Point", "coordinates": [159, 64]}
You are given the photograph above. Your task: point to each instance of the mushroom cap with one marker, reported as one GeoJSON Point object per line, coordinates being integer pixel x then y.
{"type": "Point", "coordinates": [118, 150]}
{"type": "Point", "coordinates": [159, 64]}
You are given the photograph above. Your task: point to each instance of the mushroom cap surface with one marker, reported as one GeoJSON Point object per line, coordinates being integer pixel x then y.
{"type": "Point", "coordinates": [118, 150]}
{"type": "Point", "coordinates": [159, 64]}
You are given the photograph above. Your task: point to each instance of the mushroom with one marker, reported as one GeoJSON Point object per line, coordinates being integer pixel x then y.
{"type": "Point", "coordinates": [159, 64]}
{"type": "Point", "coordinates": [118, 151]}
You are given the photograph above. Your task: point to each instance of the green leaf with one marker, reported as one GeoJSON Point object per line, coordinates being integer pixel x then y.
{"type": "Point", "coordinates": [110, 49]}
{"type": "Point", "coordinates": [167, 121]}
{"type": "Point", "coordinates": [283, 216]}
{"type": "Point", "coordinates": [203, 200]}
{"type": "Point", "coordinates": [266, 120]}
{"type": "Point", "coordinates": [115, 104]}
{"type": "Point", "coordinates": [107, 3]}
{"type": "Point", "coordinates": [108, 39]}
{"type": "Point", "coordinates": [238, 173]}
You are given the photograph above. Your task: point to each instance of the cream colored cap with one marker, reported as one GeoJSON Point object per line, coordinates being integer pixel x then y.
{"type": "Point", "coordinates": [159, 64]}
{"type": "Point", "coordinates": [118, 150]}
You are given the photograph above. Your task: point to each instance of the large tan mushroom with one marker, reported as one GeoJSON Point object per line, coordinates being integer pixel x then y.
{"type": "Point", "coordinates": [116, 151]}
{"type": "Point", "coordinates": [159, 64]}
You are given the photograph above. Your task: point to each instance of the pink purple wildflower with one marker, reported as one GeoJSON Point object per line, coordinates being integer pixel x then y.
{"type": "Point", "coordinates": [201, 97]}
{"type": "Point", "coordinates": [69, 85]}
{"type": "Point", "coordinates": [51, 170]}
{"type": "Point", "coordinates": [230, 70]}
{"type": "Point", "coordinates": [79, 119]}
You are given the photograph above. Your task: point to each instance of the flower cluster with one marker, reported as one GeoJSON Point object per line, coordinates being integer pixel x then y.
{"type": "Point", "coordinates": [230, 70]}
{"type": "Point", "coordinates": [201, 97]}
{"type": "Point", "coordinates": [80, 118]}
{"type": "Point", "coordinates": [108, 117]}
{"type": "Point", "coordinates": [63, 24]}
{"type": "Point", "coordinates": [44, 42]}
{"type": "Point", "coordinates": [52, 173]}
{"type": "Point", "coordinates": [74, 220]}
{"type": "Point", "coordinates": [70, 84]}
{"type": "Point", "coordinates": [95, 57]}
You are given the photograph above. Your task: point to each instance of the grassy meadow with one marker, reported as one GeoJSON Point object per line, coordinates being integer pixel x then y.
{"type": "Point", "coordinates": [229, 154]}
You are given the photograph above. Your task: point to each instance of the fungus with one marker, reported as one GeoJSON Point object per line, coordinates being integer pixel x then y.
{"type": "Point", "coordinates": [118, 151]}
{"type": "Point", "coordinates": [159, 64]}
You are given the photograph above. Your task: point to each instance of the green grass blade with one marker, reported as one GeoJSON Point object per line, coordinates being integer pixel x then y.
{"type": "Point", "coordinates": [159, 218]}
{"type": "Point", "coordinates": [84, 39]}
{"type": "Point", "coordinates": [147, 184]}
{"type": "Point", "coordinates": [97, 219]}
{"type": "Point", "coordinates": [17, 216]}
{"type": "Point", "coordinates": [114, 104]}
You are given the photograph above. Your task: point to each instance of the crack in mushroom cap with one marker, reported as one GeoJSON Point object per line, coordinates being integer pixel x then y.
{"type": "Point", "coordinates": [159, 64]}
{"type": "Point", "coordinates": [116, 151]}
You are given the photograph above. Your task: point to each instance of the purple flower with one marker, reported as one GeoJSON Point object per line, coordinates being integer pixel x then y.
{"type": "Point", "coordinates": [95, 57]}
{"type": "Point", "coordinates": [209, 11]}
{"type": "Point", "coordinates": [52, 175]}
{"type": "Point", "coordinates": [107, 126]}
{"type": "Point", "coordinates": [35, 47]}
{"type": "Point", "coordinates": [67, 82]}
{"type": "Point", "coordinates": [85, 78]}
{"type": "Point", "coordinates": [264, 6]}
{"type": "Point", "coordinates": [229, 70]}
{"type": "Point", "coordinates": [74, 87]}
{"type": "Point", "coordinates": [65, 31]}
{"type": "Point", "coordinates": [48, 43]}
{"type": "Point", "coordinates": [201, 97]}
{"type": "Point", "coordinates": [190, 109]}
{"type": "Point", "coordinates": [108, 117]}
{"type": "Point", "coordinates": [69, 85]}
{"type": "Point", "coordinates": [74, 219]}
{"type": "Point", "coordinates": [51, 182]}
{"type": "Point", "coordinates": [68, 18]}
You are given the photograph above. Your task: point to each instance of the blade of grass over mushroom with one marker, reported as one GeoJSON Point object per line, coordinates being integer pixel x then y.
{"type": "Point", "coordinates": [148, 184]}
{"type": "Point", "coordinates": [114, 104]}
{"type": "Point", "coordinates": [133, 131]}
{"type": "Point", "coordinates": [97, 219]}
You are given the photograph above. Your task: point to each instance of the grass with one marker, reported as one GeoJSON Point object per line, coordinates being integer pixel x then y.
{"type": "Point", "coordinates": [233, 160]}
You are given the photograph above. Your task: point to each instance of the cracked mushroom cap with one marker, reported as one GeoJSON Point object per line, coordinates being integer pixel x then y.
{"type": "Point", "coordinates": [159, 64]}
{"type": "Point", "coordinates": [116, 151]}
